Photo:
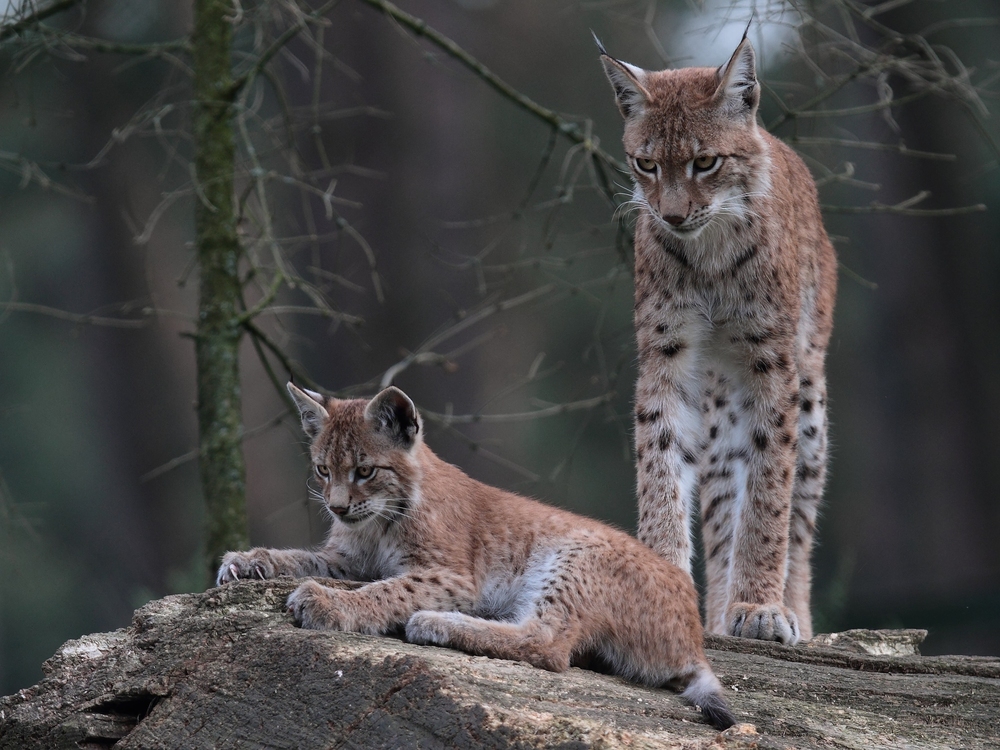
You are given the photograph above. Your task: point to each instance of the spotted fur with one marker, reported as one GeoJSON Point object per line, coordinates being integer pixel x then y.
{"type": "Point", "coordinates": [735, 280]}
{"type": "Point", "coordinates": [472, 567]}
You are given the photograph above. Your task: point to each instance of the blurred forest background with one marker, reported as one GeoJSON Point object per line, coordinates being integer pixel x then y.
{"type": "Point", "coordinates": [468, 249]}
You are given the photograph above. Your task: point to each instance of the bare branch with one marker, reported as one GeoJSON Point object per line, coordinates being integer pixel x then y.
{"type": "Point", "coordinates": [861, 109]}
{"type": "Point", "coordinates": [884, 7]}
{"type": "Point", "coordinates": [186, 458]}
{"type": "Point", "coordinates": [292, 368]}
{"type": "Point", "coordinates": [276, 46]}
{"type": "Point", "coordinates": [526, 416]}
{"type": "Point", "coordinates": [152, 49]}
{"type": "Point", "coordinates": [858, 277]}
{"type": "Point", "coordinates": [324, 312]}
{"type": "Point", "coordinates": [569, 129]}
{"type": "Point", "coordinates": [466, 322]}
{"type": "Point", "coordinates": [31, 172]}
{"type": "Point", "coordinates": [958, 23]}
{"type": "Point", "coordinates": [37, 17]}
{"type": "Point", "coordinates": [479, 450]}
{"type": "Point", "coordinates": [905, 208]}
{"type": "Point", "coordinates": [898, 148]}
{"type": "Point", "coordinates": [81, 319]}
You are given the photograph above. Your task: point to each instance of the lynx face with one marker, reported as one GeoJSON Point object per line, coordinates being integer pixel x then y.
{"type": "Point", "coordinates": [362, 456]}
{"type": "Point", "coordinates": [692, 143]}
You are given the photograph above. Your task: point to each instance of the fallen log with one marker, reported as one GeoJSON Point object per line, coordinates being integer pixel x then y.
{"type": "Point", "coordinates": [229, 669]}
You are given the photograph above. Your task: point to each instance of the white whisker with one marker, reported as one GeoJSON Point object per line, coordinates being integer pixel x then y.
{"type": "Point", "coordinates": [625, 208]}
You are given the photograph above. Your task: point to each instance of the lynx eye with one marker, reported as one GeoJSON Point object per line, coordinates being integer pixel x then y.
{"type": "Point", "coordinates": [364, 472]}
{"type": "Point", "coordinates": [645, 165]}
{"type": "Point", "coordinates": [322, 471]}
{"type": "Point", "coordinates": [705, 163]}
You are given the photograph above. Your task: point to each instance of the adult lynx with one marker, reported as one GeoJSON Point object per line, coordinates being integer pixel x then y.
{"type": "Point", "coordinates": [469, 566]}
{"type": "Point", "coordinates": [735, 280]}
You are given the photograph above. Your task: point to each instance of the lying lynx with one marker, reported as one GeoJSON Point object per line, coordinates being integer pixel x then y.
{"type": "Point", "coordinates": [734, 286]}
{"type": "Point", "coordinates": [468, 566]}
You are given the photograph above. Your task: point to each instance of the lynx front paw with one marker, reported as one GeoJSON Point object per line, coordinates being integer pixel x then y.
{"type": "Point", "coordinates": [428, 628]}
{"type": "Point", "coordinates": [315, 607]}
{"type": "Point", "coordinates": [253, 564]}
{"type": "Point", "coordinates": [764, 622]}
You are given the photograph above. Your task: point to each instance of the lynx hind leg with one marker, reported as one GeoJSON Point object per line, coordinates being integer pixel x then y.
{"type": "Point", "coordinates": [657, 638]}
{"type": "Point", "coordinates": [807, 492]}
{"type": "Point", "coordinates": [531, 641]}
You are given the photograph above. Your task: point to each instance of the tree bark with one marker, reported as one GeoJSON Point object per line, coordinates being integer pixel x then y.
{"type": "Point", "coordinates": [228, 669]}
{"type": "Point", "coordinates": [217, 340]}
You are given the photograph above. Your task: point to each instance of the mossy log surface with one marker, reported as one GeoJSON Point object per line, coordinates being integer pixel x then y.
{"type": "Point", "coordinates": [228, 669]}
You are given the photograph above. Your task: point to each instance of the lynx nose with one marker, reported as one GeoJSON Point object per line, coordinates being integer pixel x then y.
{"type": "Point", "coordinates": [338, 510]}
{"type": "Point", "coordinates": [675, 208]}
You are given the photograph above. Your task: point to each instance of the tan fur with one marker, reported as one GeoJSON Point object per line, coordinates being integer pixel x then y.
{"type": "Point", "coordinates": [469, 566]}
{"type": "Point", "coordinates": [735, 280]}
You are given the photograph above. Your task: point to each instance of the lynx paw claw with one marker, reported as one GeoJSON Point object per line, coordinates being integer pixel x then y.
{"type": "Point", "coordinates": [764, 622]}
{"type": "Point", "coordinates": [243, 565]}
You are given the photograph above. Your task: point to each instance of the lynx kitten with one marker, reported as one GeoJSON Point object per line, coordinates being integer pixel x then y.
{"type": "Point", "coordinates": [465, 565]}
{"type": "Point", "coordinates": [734, 286]}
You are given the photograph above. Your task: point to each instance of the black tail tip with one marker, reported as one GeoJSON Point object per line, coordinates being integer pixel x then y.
{"type": "Point", "coordinates": [717, 713]}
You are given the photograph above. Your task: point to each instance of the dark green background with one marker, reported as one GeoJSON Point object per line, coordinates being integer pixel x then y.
{"type": "Point", "coordinates": [440, 172]}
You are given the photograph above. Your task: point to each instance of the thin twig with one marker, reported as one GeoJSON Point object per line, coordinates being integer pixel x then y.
{"type": "Point", "coordinates": [79, 318]}
{"type": "Point", "coordinates": [466, 322]}
{"type": "Point", "coordinates": [293, 369]}
{"type": "Point", "coordinates": [898, 148]}
{"type": "Point", "coordinates": [185, 458]}
{"type": "Point", "coordinates": [277, 45]}
{"type": "Point", "coordinates": [524, 416]}
{"type": "Point", "coordinates": [570, 130]}
{"type": "Point", "coordinates": [121, 48]}
{"type": "Point", "coordinates": [38, 16]}
{"type": "Point", "coordinates": [881, 208]}
{"type": "Point", "coordinates": [478, 448]}
{"type": "Point", "coordinates": [325, 312]}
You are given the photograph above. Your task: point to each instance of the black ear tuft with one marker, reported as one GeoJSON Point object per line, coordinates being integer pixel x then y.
{"type": "Point", "coordinates": [393, 414]}
{"type": "Point", "coordinates": [600, 46]}
{"type": "Point", "coordinates": [312, 410]}
{"type": "Point", "coordinates": [738, 93]}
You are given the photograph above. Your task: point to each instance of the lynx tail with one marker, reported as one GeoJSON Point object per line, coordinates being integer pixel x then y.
{"type": "Point", "coordinates": [705, 692]}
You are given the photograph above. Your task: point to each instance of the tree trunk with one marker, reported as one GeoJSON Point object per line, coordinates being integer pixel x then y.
{"type": "Point", "coordinates": [228, 669]}
{"type": "Point", "coordinates": [220, 424]}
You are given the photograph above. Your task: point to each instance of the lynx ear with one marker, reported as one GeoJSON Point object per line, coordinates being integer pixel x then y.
{"type": "Point", "coordinates": [738, 93]}
{"type": "Point", "coordinates": [312, 409]}
{"type": "Point", "coordinates": [628, 81]}
{"type": "Point", "coordinates": [394, 415]}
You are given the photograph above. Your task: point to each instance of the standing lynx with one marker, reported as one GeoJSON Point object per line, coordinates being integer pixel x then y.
{"type": "Point", "coordinates": [465, 565]}
{"type": "Point", "coordinates": [734, 286]}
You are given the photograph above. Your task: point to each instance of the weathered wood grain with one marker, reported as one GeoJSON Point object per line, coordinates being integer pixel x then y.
{"type": "Point", "coordinates": [228, 669]}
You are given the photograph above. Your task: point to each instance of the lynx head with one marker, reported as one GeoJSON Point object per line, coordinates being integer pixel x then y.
{"type": "Point", "coordinates": [363, 453]}
{"type": "Point", "coordinates": [692, 142]}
